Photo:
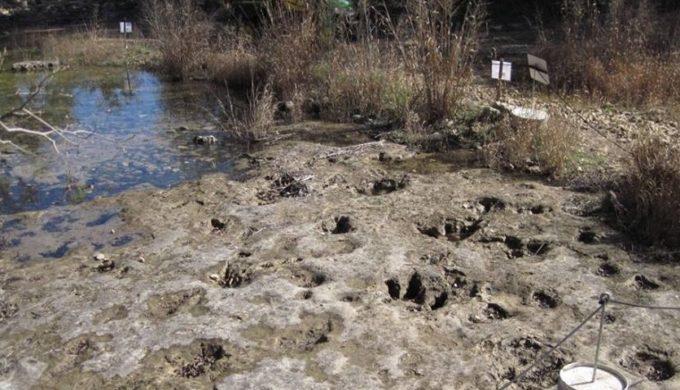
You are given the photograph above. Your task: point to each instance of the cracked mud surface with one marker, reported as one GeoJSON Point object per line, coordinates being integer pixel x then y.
{"type": "Point", "coordinates": [328, 270]}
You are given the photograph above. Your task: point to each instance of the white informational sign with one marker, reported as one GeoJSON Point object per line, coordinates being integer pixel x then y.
{"type": "Point", "coordinates": [125, 27]}
{"type": "Point", "coordinates": [504, 74]}
{"type": "Point", "coordinates": [538, 69]}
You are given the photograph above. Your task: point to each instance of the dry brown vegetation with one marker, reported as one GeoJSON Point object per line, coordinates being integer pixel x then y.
{"type": "Point", "coordinates": [646, 198]}
{"type": "Point", "coordinates": [252, 122]}
{"type": "Point", "coordinates": [184, 35]}
{"type": "Point", "coordinates": [621, 51]}
{"type": "Point", "coordinates": [520, 144]}
{"type": "Point", "coordinates": [444, 36]}
{"type": "Point", "coordinates": [95, 46]}
{"type": "Point", "coordinates": [289, 48]}
{"type": "Point", "coordinates": [365, 82]}
{"type": "Point", "coordinates": [424, 67]}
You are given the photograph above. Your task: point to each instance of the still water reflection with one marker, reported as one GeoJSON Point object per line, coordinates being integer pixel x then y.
{"type": "Point", "coordinates": [143, 137]}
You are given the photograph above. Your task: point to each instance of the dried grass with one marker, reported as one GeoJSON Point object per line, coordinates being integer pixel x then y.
{"type": "Point", "coordinates": [253, 122]}
{"type": "Point", "coordinates": [289, 48]}
{"type": "Point", "coordinates": [520, 144]}
{"type": "Point", "coordinates": [184, 34]}
{"type": "Point", "coordinates": [368, 82]}
{"type": "Point", "coordinates": [619, 51]}
{"type": "Point", "coordinates": [646, 198]}
{"type": "Point", "coordinates": [94, 47]}
{"type": "Point", "coordinates": [438, 42]}
{"type": "Point", "coordinates": [237, 69]}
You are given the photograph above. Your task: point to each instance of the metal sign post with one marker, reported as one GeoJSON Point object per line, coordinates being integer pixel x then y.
{"type": "Point", "coordinates": [125, 28]}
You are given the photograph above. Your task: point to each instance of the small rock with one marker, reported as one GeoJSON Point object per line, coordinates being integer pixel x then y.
{"type": "Point", "coordinates": [100, 257]}
{"type": "Point", "coordinates": [284, 110]}
{"type": "Point", "coordinates": [113, 231]}
{"type": "Point", "coordinates": [311, 107]}
{"type": "Point", "coordinates": [106, 266]}
{"type": "Point", "coordinates": [142, 259]}
{"type": "Point", "coordinates": [384, 157]}
{"type": "Point", "coordinates": [205, 140]}
{"type": "Point", "coordinates": [214, 277]}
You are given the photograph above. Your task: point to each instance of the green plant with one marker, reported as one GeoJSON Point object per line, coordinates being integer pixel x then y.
{"type": "Point", "coordinates": [646, 197]}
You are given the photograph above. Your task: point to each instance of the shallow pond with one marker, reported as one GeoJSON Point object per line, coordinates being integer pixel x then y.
{"type": "Point", "coordinates": [143, 137]}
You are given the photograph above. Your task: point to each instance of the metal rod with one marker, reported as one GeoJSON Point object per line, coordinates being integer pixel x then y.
{"type": "Point", "coordinates": [640, 306]}
{"type": "Point", "coordinates": [127, 55]}
{"type": "Point", "coordinates": [604, 298]}
{"type": "Point", "coordinates": [547, 353]}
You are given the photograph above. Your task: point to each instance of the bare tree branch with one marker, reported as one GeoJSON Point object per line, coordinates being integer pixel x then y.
{"type": "Point", "coordinates": [45, 134]}
{"type": "Point", "coordinates": [39, 87]}
{"type": "Point", "coordinates": [51, 134]}
{"type": "Point", "coordinates": [12, 144]}
{"type": "Point", "coordinates": [51, 129]}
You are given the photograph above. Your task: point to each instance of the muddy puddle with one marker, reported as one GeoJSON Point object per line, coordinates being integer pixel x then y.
{"type": "Point", "coordinates": [433, 163]}
{"type": "Point", "coordinates": [61, 231]}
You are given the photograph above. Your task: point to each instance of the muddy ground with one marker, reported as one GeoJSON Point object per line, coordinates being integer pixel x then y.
{"type": "Point", "coordinates": [335, 268]}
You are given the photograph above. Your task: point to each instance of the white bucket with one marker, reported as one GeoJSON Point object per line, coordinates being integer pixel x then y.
{"type": "Point", "coordinates": [579, 376]}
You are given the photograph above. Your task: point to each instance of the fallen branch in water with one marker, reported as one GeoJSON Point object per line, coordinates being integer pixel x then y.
{"type": "Point", "coordinates": [39, 87]}
{"type": "Point", "coordinates": [51, 134]}
{"type": "Point", "coordinates": [48, 134]}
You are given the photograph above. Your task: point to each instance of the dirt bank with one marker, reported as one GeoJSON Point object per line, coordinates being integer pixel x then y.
{"type": "Point", "coordinates": [332, 268]}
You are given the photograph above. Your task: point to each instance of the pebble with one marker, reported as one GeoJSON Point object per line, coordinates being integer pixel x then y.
{"type": "Point", "coordinates": [214, 277]}
{"type": "Point", "coordinates": [100, 257]}
{"type": "Point", "coordinates": [142, 259]}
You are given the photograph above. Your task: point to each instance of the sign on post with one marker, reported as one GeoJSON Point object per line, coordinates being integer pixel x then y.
{"type": "Point", "coordinates": [125, 27]}
{"type": "Point", "coordinates": [538, 69]}
{"type": "Point", "coordinates": [501, 70]}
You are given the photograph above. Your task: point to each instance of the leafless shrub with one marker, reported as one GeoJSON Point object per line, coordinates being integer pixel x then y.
{"type": "Point", "coordinates": [251, 123]}
{"type": "Point", "coordinates": [646, 197]}
{"type": "Point", "coordinates": [289, 48]}
{"type": "Point", "coordinates": [183, 32]}
{"type": "Point", "coordinates": [439, 42]}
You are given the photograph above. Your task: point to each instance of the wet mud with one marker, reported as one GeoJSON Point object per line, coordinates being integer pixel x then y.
{"type": "Point", "coordinates": [322, 273]}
